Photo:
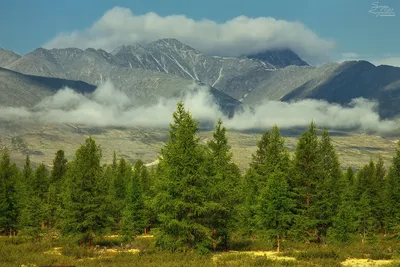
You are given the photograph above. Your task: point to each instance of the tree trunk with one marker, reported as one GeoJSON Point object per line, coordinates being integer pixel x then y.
{"type": "Point", "coordinates": [188, 242]}
{"type": "Point", "coordinates": [308, 210]}
{"type": "Point", "coordinates": [214, 243]}
{"type": "Point", "coordinates": [42, 224]}
{"type": "Point", "coordinates": [90, 242]}
{"type": "Point", "coordinates": [278, 242]}
{"type": "Point", "coordinates": [145, 230]}
{"type": "Point", "coordinates": [83, 243]}
{"type": "Point", "coordinates": [225, 243]}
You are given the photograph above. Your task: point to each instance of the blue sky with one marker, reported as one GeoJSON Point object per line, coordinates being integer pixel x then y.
{"type": "Point", "coordinates": [26, 25]}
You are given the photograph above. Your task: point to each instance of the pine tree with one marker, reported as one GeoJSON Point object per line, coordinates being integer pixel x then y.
{"type": "Point", "coordinates": [84, 199]}
{"type": "Point", "coordinates": [254, 182]}
{"type": "Point", "coordinates": [367, 197]}
{"type": "Point", "coordinates": [27, 172]}
{"type": "Point", "coordinates": [9, 210]}
{"type": "Point", "coordinates": [57, 176]}
{"type": "Point", "coordinates": [349, 175]}
{"type": "Point", "coordinates": [147, 193]}
{"type": "Point", "coordinates": [275, 211]}
{"type": "Point", "coordinates": [134, 215]}
{"type": "Point", "coordinates": [35, 213]}
{"type": "Point", "coordinates": [307, 174]}
{"type": "Point", "coordinates": [224, 188]}
{"type": "Point", "coordinates": [59, 168]}
{"type": "Point", "coordinates": [328, 187]}
{"type": "Point", "coordinates": [379, 201]}
{"type": "Point", "coordinates": [392, 196]}
{"type": "Point", "coordinates": [344, 223]}
{"type": "Point", "coordinates": [181, 197]}
{"type": "Point", "coordinates": [275, 203]}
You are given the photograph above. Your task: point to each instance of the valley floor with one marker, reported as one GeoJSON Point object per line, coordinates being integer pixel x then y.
{"type": "Point", "coordinates": [383, 251]}
{"type": "Point", "coordinates": [40, 141]}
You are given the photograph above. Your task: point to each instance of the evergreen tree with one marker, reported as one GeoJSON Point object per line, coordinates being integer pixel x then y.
{"type": "Point", "coordinates": [59, 168]}
{"type": "Point", "coordinates": [254, 181]}
{"type": "Point", "coordinates": [182, 194]}
{"type": "Point", "coordinates": [224, 188]}
{"type": "Point", "coordinates": [27, 172]}
{"type": "Point", "coordinates": [134, 215]}
{"type": "Point", "coordinates": [344, 223]}
{"type": "Point", "coordinates": [84, 200]}
{"type": "Point", "coordinates": [57, 176]}
{"type": "Point", "coordinates": [367, 194]}
{"type": "Point", "coordinates": [392, 196]}
{"type": "Point", "coordinates": [328, 186]}
{"type": "Point", "coordinates": [307, 174]}
{"type": "Point", "coordinates": [379, 202]}
{"type": "Point", "coordinates": [35, 213]}
{"type": "Point", "coordinates": [146, 183]}
{"type": "Point", "coordinates": [366, 222]}
{"type": "Point", "coordinates": [349, 177]}
{"type": "Point", "coordinates": [275, 203]}
{"type": "Point", "coordinates": [9, 210]}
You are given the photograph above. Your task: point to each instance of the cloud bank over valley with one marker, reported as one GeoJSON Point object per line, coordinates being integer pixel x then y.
{"type": "Point", "coordinates": [110, 107]}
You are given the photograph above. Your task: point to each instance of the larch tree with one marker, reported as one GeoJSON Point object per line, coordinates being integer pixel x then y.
{"type": "Point", "coordinates": [84, 200]}
{"type": "Point", "coordinates": [307, 173]}
{"type": "Point", "coordinates": [181, 187]}
{"type": "Point", "coordinates": [275, 204]}
{"type": "Point", "coordinates": [328, 187]}
{"type": "Point", "coordinates": [57, 175]}
{"type": "Point", "coordinates": [134, 213]}
{"type": "Point", "coordinates": [9, 208]}
{"type": "Point", "coordinates": [392, 196]}
{"type": "Point", "coordinates": [255, 180]}
{"type": "Point", "coordinates": [224, 193]}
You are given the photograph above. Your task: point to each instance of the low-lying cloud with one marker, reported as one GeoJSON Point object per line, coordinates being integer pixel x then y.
{"type": "Point", "coordinates": [109, 107]}
{"type": "Point", "coordinates": [240, 35]}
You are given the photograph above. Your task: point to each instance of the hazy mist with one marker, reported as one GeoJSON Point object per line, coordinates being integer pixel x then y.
{"type": "Point", "coordinates": [110, 107]}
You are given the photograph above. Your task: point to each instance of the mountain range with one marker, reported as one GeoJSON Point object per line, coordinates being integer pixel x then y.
{"type": "Point", "coordinates": [167, 67]}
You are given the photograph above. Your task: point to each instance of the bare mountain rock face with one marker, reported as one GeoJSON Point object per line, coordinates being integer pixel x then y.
{"type": "Point", "coordinates": [7, 57]}
{"type": "Point", "coordinates": [167, 67]}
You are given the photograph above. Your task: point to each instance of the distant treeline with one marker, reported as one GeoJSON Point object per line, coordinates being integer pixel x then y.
{"type": "Point", "coordinates": [196, 196]}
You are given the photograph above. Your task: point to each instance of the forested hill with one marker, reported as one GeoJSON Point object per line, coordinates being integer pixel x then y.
{"type": "Point", "coordinates": [197, 198]}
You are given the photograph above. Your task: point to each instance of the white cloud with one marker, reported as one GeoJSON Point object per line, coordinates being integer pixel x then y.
{"type": "Point", "coordinates": [67, 106]}
{"type": "Point", "coordinates": [240, 35]}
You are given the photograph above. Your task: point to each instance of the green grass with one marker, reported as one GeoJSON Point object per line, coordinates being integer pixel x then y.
{"type": "Point", "coordinates": [109, 252]}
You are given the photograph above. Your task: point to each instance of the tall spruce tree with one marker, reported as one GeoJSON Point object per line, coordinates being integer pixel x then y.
{"type": "Point", "coordinates": [275, 204]}
{"type": "Point", "coordinates": [254, 181]}
{"type": "Point", "coordinates": [182, 194]}
{"type": "Point", "coordinates": [392, 196]}
{"type": "Point", "coordinates": [344, 222]}
{"type": "Point", "coordinates": [306, 176]}
{"type": "Point", "coordinates": [328, 186]}
{"type": "Point", "coordinates": [57, 175]}
{"type": "Point", "coordinates": [35, 213]}
{"type": "Point", "coordinates": [27, 171]}
{"type": "Point", "coordinates": [367, 195]}
{"type": "Point", "coordinates": [59, 168]}
{"type": "Point", "coordinates": [84, 199]}
{"type": "Point", "coordinates": [225, 186]}
{"type": "Point", "coordinates": [134, 215]}
{"type": "Point", "coordinates": [9, 208]}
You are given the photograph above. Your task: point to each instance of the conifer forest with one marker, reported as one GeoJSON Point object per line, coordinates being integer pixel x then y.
{"type": "Point", "coordinates": [196, 203]}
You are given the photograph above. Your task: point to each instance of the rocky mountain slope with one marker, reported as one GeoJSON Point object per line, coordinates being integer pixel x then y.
{"type": "Point", "coordinates": [164, 67]}
{"type": "Point", "coordinates": [7, 57]}
{"type": "Point", "coordinates": [18, 89]}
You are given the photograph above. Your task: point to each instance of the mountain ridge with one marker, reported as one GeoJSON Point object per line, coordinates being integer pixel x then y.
{"type": "Point", "coordinates": [155, 69]}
